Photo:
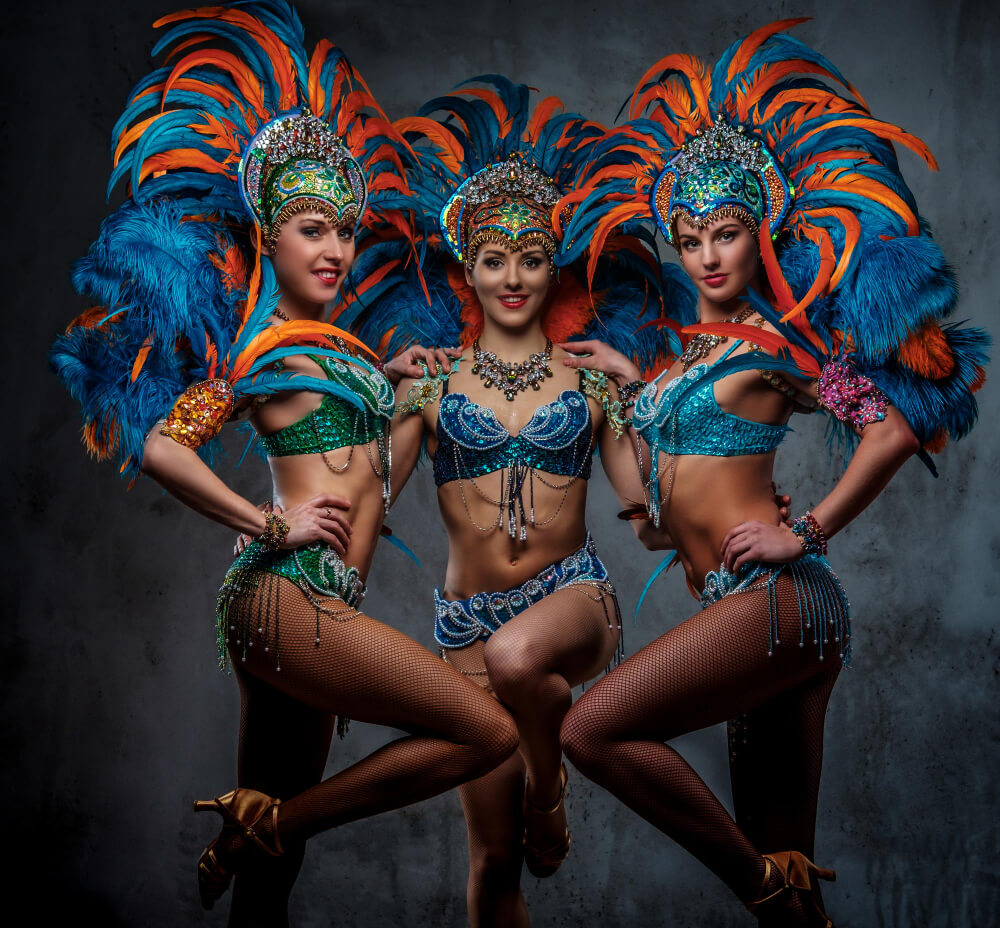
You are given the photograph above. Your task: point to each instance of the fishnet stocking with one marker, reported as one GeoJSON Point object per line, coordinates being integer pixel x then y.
{"type": "Point", "coordinates": [362, 669]}
{"type": "Point", "coordinates": [711, 668]}
{"type": "Point", "coordinates": [531, 663]}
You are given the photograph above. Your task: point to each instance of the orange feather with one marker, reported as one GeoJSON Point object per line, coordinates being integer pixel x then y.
{"type": "Point", "coordinates": [926, 352]}
{"type": "Point", "coordinates": [243, 77]}
{"type": "Point", "coordinates": [818, 236]}
{"type": "Point", "coordinates": [543, 112]}
{"type": "Point", "coordinates": [754, 41]}
{"type": "Point", "coordinates": [782, 292]}
{"type": "Point", "coordinates": [858, 184]}
{"type": "Point", "coordinates": [769, 340]}
{"type": "Point", "coordinates": [615, 217]}
{"type": "Point", "coordinates": [492, 99]}
{"type": "Point", "coordinates": [883, 130]}
{"type": "Point", "coordinates": [140, 358]}
{"type": "Point", "coordinates": [852, 234]}
{"type": "Point", "coordinates": [693, 68]}
{"type": "Point", "coordinates": [178, 158]}
{"type": "Point", "coordinates": [450, 151]}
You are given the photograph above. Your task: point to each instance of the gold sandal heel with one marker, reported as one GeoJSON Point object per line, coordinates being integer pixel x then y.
{"type": "Point", "coordinates": [542, 862]}
{"type": "Point", "coordinates": [241, 810]}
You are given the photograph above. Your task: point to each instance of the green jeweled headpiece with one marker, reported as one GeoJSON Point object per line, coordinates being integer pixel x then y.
{"type": "Point", "coordinates": [296, 163]}
{"type": "Point", "coordinates": [508, 202]}
{"type": "Point", "coordinates": [722, 171]}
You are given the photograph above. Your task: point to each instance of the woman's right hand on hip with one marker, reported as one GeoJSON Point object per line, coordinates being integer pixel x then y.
{"type": "Point", "coordinates": [323, 518]}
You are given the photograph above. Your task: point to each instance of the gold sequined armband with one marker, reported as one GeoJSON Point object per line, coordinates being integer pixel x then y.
{"type": "Point", "coordinates": [199, 413]}
{"type": "Point", "coordinates": [595, 384]}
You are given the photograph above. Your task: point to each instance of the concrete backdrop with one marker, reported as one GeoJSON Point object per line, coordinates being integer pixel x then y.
{"type": "Point", "coordinates": [114, 714]}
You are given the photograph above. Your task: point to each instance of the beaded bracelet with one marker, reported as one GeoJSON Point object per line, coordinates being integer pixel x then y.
{"type": "Point", "coordinates": [275, 531]}
{"type": "Point", "coordinates": [810, 533]}
{"type": "Point", "coordinates": [628, 392]}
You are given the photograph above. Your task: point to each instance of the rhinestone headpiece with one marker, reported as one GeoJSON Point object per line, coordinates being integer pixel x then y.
{"type": "Point", "coordinates": [296, 163]}
{"type": "Point", "coordinates": [722, 171]}
{"type": "Point", "coordinates": [509, 202]}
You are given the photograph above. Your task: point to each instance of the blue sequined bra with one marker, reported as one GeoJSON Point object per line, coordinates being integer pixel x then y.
{"type": "Point", "coordinates": [557, 439]}
{"type": "Point", "coordinates": [686, 419]}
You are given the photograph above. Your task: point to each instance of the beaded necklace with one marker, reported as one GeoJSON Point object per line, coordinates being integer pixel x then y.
{"type": "Point", "coordinates": [512, 377]}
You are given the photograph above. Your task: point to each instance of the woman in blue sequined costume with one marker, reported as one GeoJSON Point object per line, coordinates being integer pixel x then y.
{"type": "Point", "coordinates": [527, 609]}
{"type": "Point", "coordinates": [212, 279]}
{"type": "Point", "coordinates": [815, 284]}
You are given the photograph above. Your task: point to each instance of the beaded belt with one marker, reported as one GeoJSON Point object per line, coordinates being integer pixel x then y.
{"type": "Point", "coordinates": [460, 622]}
{"type": "Point", "coordinates": [823, 604]}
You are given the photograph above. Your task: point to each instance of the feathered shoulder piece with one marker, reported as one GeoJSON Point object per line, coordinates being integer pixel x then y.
{"type": "Point", "coordinates": [238, 130]}
{"type": "Point", "coordinates": [776, 136]}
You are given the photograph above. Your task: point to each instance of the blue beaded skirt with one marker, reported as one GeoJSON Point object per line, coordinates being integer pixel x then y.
{"type": "Point", "coordinates": [824, 610]}
{"type": "Point", "coordinates": [460, 622]}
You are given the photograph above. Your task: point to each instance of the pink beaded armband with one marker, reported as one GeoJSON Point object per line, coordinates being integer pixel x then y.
{"type": "Point", "coordinates": [810, 533]}
{"type": "Point", "coordinates": [849, 395]}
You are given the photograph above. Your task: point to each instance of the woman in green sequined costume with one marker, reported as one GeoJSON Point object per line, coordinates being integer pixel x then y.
{"type": "Point", "coordinates": [272, 199]}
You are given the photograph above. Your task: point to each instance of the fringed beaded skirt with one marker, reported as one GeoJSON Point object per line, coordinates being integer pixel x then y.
{"type": "Point", "coordinates": [824, 610]}
{"type": "Point", "coordinates": [249, 603]}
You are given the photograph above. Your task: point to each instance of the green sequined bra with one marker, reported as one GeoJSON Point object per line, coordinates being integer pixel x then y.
{"type": "Point", "coordinates": [336, 423]}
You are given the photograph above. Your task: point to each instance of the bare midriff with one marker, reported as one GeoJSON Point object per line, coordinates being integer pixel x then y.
{"type": "Point", "coordinates": [299, 478]}
{"type": "Point", "coordinates": [485, 558]}
{"type": "Point", "coordinates": [485, 561]}
{"type": "Point", "coordinates": [710, 496]}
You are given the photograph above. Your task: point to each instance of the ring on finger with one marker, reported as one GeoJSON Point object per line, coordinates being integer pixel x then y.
{"type": "Point", "coordinates": [329, 512]}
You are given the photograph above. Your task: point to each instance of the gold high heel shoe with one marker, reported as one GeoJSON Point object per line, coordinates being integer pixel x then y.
{"type": "Point", "coordinates": [241, 810]}
{"type": "Point", "coordinates": [798, 873]}
{"type": "Point", "coordinates": [543, 862]}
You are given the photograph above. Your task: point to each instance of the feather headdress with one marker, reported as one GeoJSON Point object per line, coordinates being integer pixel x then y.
{"type": "Point", "coordinates": [492, 168]}
{"type": "Point", "coordinates": [238, 129]}
{"type": "Point", "coordinates": [775, 135]}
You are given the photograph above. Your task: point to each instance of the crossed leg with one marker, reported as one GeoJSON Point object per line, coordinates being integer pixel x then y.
{"type": "Point", "coordinates": [362, 669]}
{"type": "Point", "coordinates": [531, 663]}
{"type": "Point", "coordinates": [712, 667]}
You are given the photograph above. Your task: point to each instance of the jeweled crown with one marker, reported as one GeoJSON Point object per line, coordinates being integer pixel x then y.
{"type": "Point", "coordinates": [295, 136]}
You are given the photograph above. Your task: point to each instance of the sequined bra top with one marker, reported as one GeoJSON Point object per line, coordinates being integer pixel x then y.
{"type": "Point", "coordinates": [557, 439]}
{"type": "Point", "coordinates": [682, 420]}
{"type": "Point", "coordinates": [337, 423]}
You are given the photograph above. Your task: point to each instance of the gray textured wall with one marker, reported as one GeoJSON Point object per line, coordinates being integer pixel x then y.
{"type": "Point", "coordinates": [114, 715]}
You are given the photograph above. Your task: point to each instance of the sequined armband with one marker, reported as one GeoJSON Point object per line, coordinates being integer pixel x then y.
{"type": "Point", "coordinates": [810, 534]}
{"type": "Point", "coordinates": [849, 395]}
{"type": "Point", "coordinates": [424, 391]}
{"type": "Point", "coordinates": [595, 385]}
{"type": "Point", "coordinates": [199, 413]}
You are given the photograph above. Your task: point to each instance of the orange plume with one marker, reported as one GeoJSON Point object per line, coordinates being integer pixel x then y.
{"type": "Point", "coordinates": [543, 112]}
{"type": "Point", "coordinates": [447, 144]}
{"type": "Point", "coordinates": [754, 41]}
{"type": "Point", "coordinates": [926, 352]}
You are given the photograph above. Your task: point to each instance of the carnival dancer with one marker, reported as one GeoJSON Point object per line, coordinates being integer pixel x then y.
{"type": "Point", "coordinates": [252, 168]}
{"type": "Point", "coordinates": [814, 284]}
{"type": "Point", "coordinates": [527, 609]}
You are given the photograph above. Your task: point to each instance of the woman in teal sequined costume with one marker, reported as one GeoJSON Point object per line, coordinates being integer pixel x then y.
{"type": "Point", "coordinates": [766, 183]}
{"type": "Point", "coordinates": [252, 205]}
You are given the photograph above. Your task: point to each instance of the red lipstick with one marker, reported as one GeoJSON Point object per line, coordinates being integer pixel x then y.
{"type": "Point", "coordinates": [715, 280]}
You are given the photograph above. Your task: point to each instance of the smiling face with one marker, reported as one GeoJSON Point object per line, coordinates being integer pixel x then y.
{"type": "Point", "coordinates": [311, 257]}
{"type": "Point", "coordinates": [721, 259]}
{"type": "Point", "coordinates": [511, 285]}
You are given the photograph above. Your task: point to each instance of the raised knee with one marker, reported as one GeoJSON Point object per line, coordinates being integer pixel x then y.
{"type": "Point", "coordinates": [582, 739]}
{"type": "Point", "coordinates": [504, 741]}
{"type": "Point", "coordinates": [514, 673]}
